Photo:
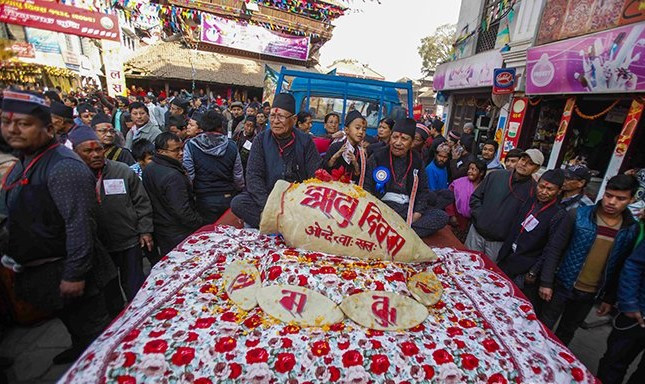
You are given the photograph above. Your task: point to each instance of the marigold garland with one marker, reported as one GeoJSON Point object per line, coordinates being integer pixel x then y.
{"type": "Point", "coordinates": [536, 102]}
{"type": "Point", "coordinates": [594, 117]}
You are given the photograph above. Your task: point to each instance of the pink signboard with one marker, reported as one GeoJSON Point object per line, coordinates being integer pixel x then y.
{"type": "Point", "coordinates": [52, 16]}
{"type": "Point", "coordinates": [232, 34]}
{"type": "Point", "coordinates": [606, 62]}
{"type": "Point", "coordinates": [471, 72]}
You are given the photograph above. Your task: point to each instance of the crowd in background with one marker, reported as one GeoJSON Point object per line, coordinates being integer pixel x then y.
{"type": "Point", "coordinates": [129, 178]}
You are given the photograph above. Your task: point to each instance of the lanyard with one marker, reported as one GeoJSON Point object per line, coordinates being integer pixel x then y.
{"type": "Point", "coordinates": [361, 178]}
{"type": "Point", "coordinates": [536, 215]}
{"type": "Point", "coordinates": [510, 187]}
{"type": "Point", "coordinates": [406, 172]}
{"type": "Point", "coordinates": [23, 180]}
{"type": "Point", "coordinates": [98, 186]}
{"type": "Point", "coordinates": [290, 143]}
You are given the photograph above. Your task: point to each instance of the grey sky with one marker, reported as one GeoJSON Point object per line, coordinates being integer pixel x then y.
{"type": "Point", "coordinates": [386, 36]}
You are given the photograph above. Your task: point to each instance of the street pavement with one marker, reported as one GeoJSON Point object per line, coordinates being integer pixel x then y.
{"type": "Point", "coordinates": [34, 347]}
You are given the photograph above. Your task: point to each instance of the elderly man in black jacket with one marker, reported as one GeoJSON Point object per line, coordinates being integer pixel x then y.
{"type": "Point", "coordinates": [533, 238]}
{"type": "Point", "coordinates": [281, 153]}
{"type": "Point", "coordinates": [171, 194]}
{"type": "Point", "coordinates": [124, 215]}
{"type": "Point", "coordinates": [395, 174]}
{"type": "Point", "coordinates": [107, 135]}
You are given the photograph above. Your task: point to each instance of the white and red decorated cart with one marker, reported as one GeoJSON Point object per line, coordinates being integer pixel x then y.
{"type": "Point", "coordinates": [189, 324]}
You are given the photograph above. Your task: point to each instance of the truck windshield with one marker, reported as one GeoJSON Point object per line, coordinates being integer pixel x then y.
{"type": "Point", "coordinates": [320, 106]}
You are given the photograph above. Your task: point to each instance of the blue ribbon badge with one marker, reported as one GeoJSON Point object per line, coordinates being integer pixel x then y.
{"type": "Point", "coordinates": [381, 176]}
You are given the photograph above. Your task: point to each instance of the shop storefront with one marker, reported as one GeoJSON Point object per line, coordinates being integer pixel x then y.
{"type": "Point", "coordinates": [16, 72]}
{"type": "Point", "coordinates": [468, 85]}
{"type": "Point", "coordinates": [585, 102]}
{"type": "Point", "coordinates": [57, 45]}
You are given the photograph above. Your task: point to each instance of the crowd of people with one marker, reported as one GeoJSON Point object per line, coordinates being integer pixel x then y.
{"type": "Point", "coordinates": [93, 186]}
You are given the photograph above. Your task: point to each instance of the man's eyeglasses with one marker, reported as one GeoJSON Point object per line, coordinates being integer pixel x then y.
{"type": "Point", "coordinates": [175, 150]}
{"type": "Point", "coordinates": [106, 131]}
{"type": "Point", "coordinates": [281, 118]}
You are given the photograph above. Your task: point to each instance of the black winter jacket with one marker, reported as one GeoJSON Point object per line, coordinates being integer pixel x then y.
{"type": "Point", "coordinates": [534, 246]}
{"type": "Point", "coordinates": [494, 206]}
{"type": "Point", "coordinates": [122, 215]}
{"type": "Point", "coordinates": [172, 197]}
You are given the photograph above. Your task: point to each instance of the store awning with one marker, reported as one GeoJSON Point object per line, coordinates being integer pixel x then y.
{"type": "Point", "coordinates": [472, 72]}
{"type": "Point", "coordinates": [172, 60]}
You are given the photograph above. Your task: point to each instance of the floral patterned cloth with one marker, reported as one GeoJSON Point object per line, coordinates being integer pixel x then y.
{"type": "Point", "coordinates": [181, 327]}
{"type": "Point", "coordinates": [333, 276]}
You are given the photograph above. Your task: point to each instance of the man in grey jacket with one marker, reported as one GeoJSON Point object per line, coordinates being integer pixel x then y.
{"type": "Point", "coordinates": [125, 212]}
{"type": "Point", "coordinates": [143, 127]}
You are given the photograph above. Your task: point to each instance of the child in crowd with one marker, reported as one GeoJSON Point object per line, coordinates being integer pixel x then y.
{"type": "Point", "coordinates": [142, 150]}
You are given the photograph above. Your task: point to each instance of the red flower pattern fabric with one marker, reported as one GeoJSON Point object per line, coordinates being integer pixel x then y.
{"type": "Point", "coordinates": [182, 327]}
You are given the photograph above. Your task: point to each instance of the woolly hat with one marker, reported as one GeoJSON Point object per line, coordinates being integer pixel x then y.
{"type": "Point", "coordinates": [82, 134]}
{"type": "Point", "coordinates": [100, 118]}
{"type": "Point", "coordinates": [423, 131]}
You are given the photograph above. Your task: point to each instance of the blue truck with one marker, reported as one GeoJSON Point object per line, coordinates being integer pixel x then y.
{"type": "Point", "coordinates": [321, 94]}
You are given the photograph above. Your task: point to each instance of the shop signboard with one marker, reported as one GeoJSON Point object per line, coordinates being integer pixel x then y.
{"type": "Point", "coordinates": [503, 81]}
{"type": "Point", "coordinates": [622, 144]}
{"type": "Point", "coordinates": [233, 34]}
{"type": "Point", "coordinates": [472, 72]}
{"type": "Point", "coordinates": [563, 128]}
{"type": "Point", "coordinates": [563, 19]}
{"type": "Point", "coordinates": [113, 62]}
{"type": "Point", "coordinates": [632, 11]}
{"type": "Point", "coordinates": [606, 62]}
{"type": "Point", "coordinates": [515, 120]}
{"type": "Point", "coordinates": [23, 49]}
{"type": "Point", "coordinates": [42, 40]}
{"type": "Point", "coordinates": [71, 59]}
{"type": "Point", "coordinates": [54, 16]}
